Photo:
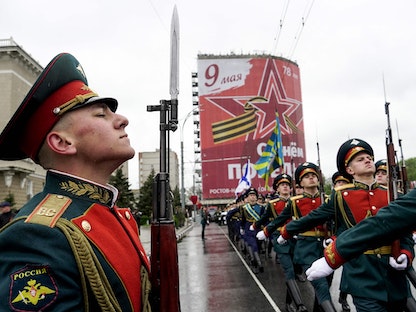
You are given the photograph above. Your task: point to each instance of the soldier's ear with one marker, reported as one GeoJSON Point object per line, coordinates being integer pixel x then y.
{"type": "Point", "coordinates": [60, 143]}
{"type": "Point", "coordinates": [349, 170]}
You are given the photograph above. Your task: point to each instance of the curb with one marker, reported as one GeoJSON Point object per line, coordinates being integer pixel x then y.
{"type": "Point", "coordinates": [183, 231]}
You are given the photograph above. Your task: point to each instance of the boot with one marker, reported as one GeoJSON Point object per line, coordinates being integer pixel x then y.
{"type": "Point", "coordinates": [257, 258]}
{"type": "Point", "coordinates": [290, 307]}
{"type": "Point", "coordinates": [294, 292]}
{"type": "Point", "coordinates": [327, 306]}
{"type": "Point", "coordinates": [252, 260]}
{"type": "Point", "coordinates": [343, 301]}
{"type": "Point", "coordinates": [269, 249]}
{"type": "Point", "coordinates": [277, 260]}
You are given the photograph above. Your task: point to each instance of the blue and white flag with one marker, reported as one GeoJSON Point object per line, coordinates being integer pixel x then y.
{"type": "Point", "coordinates": [245, 180]}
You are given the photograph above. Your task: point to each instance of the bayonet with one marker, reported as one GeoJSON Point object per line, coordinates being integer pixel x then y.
{"type": "Point", "coordinates": [174, 55]}
{"type": "Point", "coordinates": [174, 69]}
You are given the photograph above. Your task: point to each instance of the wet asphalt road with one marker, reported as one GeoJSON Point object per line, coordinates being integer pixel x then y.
{"type": "Point", "coordinates": [213, 276]}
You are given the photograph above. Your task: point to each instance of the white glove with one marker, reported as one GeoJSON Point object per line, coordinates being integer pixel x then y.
{"type": "Point", "coordinates": [251, 227]}
{"type": "Point", "coordinates": [318, 269]}
{"type": "Point", "coordinates": [207, 222]}
{"type": "Point", "coordinates": [327, 241]}
{"type": "Point", "coordinates": [400, 263]}
{"type": "Point", "coordinates": [281, 240]}
{"type": "Point", "coordinates": [261, 236]}
{"type": "Point", "coordinates": [241, 231]}
{"type": "Point", "coordinates": [414, 237]}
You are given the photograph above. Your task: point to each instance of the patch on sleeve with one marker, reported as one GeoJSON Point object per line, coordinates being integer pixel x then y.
{"type": "Point", "coordinates": [32, 288]}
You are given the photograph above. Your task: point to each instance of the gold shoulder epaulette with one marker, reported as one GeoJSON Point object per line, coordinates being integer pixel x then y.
{"type": "Point", "coordinates": [345, 186]}
{"type": "Point", "coordinates": [49, 210]}
{"type": "Point", "coordinates": [296, 197]}
{"type": "Point", "coordinates": [274, 200]}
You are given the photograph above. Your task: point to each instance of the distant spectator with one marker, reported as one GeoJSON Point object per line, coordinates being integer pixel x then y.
{"type": "Point", "coordinates": [204, 221]}
{"type": "Point", "coordinates": [6, 213]}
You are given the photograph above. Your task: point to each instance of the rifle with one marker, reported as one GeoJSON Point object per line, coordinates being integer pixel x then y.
{"type": "Point", "coordinates": [403, 170]}
{"type": "Point", "coordinates": [164, 275]}
{"type": "Point", "coordinates": [321, 178]}
{"type": "Point", "coordinates": [292, 165]}
{"type": "Point", "coordinates": [392, 171]}
{"type": "Point", "coordinates": [393, 179]}
{"type": "Point", "coordinates": [328, 225]}
{"type": "Point", "coordinates": [392, 167]}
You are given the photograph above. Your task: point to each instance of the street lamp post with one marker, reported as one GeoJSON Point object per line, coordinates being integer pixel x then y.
{"type": "Point", "coordinates": [182, 161]}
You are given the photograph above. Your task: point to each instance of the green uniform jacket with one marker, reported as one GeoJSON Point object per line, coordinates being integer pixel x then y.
{"type": "Point", "coordinates": [396, 220]}
{"type": "Point", "coordinates": [41, 271]}
{"type": "Point", "coordinates": [273, 210]}
{"type": "Point", "coordinates": [308, 248]}
{"type": "Point", "coordinates": [368, 275]}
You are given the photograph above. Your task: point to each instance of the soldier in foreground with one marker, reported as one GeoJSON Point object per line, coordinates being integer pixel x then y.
{"type": "Point", "coordinates": [70, 248]}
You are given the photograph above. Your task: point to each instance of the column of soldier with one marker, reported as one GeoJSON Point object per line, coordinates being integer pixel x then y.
{"type": "Point", "coordinates": [302, 224]}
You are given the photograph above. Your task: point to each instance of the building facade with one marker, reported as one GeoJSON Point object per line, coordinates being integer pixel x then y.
{"type": "Point", "coordinates": [18, 71]}
{"type": "Point", "coordinates": [149, 161]}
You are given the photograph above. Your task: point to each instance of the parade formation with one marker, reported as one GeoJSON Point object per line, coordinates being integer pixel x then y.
{"type": "Point", "coordinates": [70, 247]}
{"type": "Point", "coordinates": [303, 227]}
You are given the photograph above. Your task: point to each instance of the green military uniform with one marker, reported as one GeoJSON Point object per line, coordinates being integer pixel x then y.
{"type": "Point", "coordinates": [392, 222]}
{"type": "Point", "coordinates": [70, 248]}
{"type": "Point", "coordinates": [369, 275]}
{"type": "Point", "coordinates": [61, 245]}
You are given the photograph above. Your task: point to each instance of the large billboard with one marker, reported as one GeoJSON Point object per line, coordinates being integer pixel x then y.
{"type": "Point", "coordinates": [239, 98]}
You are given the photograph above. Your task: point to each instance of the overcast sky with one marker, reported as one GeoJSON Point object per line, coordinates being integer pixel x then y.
{"type": "Point", "coordinates": [343, 49]}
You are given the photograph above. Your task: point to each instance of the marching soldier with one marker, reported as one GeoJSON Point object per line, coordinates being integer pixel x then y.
{"type": "Point", "coordinates": [339, 180]}
{"type": "Point", "coordinates": [282, 184]}
{"type": "Point", "coordinates": [381, 172]}
{"type": "Point", "coordinates": [374, 279]}
{"type": "Point", "coordinates": [251, 212]}
{"type": "Point", "coordinates": [309, 245]}
{"type": "Point", "coordinates": [70, 248]}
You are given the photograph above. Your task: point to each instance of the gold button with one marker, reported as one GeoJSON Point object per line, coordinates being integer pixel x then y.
{"type": "Point", "coordinates": [86, 226]}
{"type": "Point", "coordinates": [128, 215]}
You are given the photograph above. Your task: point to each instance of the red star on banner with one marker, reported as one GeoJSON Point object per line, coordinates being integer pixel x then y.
{"type": "Point", "coordinates": [273, 90]}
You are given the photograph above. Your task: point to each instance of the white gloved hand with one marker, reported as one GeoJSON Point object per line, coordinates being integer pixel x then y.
{"type": "Point", "coordinates": [414, 237]}
{"type": "Point", "coordinates": [400, 263]}
{"type": "Point", "coordinates": [281, 240]}
{"type": "Point", "coordinates": [251, 227]}
{"type": "Point", "coordinates": [327, 241]}
{"type": "Point", "coordinates": [241, 231]}
{"type": "Point", "coordinates": [318, 269]}
{"type": "Point", "coordinates": [261, 236]}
